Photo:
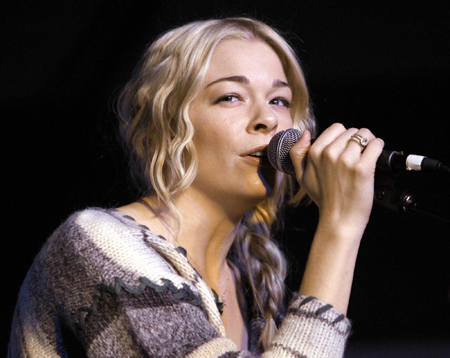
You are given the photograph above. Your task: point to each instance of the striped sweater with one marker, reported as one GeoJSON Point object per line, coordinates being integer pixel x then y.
{"type": "Point", "coordinates": [103, 286]}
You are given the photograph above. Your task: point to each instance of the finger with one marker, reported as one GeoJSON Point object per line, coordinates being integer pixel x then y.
{"type": "Point", "coordinates": [366, 136]}
{"type": "Point", "coordinates": [340, 143]}
{"type": "Point", "coordinates": [352, 151]}
{"type": "Point", "coordinates": [373, 150]}
{"type": "Point", "coordinates": [329, 135]}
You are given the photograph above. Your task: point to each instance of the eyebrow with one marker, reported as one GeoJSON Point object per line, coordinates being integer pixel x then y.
{"type": "Point", "coordinates": [238, 79]}
{"type": "Point", "coordinates": [245, 80]}
{"type": "Point", "coordinates": [280, 84]}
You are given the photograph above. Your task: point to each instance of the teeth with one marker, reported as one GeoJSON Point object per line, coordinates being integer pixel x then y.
{"type": "Point", "coordinates": [258, 154]}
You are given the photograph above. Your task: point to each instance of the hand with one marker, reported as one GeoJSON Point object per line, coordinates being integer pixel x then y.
{"type": "Point", "coordinates": [336, 175]}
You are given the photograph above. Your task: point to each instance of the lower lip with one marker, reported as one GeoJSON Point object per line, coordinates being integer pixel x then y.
{"type": "Point", "coordinates": [260, 161]}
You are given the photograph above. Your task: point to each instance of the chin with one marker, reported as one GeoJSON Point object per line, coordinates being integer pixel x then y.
{"type": "Point", "coordinates": [261, 194]}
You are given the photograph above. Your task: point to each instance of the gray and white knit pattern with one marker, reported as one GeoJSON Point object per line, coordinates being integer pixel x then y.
{"type": "Point", "coordinates": [103, 286]}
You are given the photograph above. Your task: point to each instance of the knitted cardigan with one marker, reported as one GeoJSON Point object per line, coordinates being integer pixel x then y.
{"type": "Point", "coordinates": [104, 286]}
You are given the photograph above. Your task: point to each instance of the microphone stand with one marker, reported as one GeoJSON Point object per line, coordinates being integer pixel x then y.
{"type": "Point", "coordinates": [390, 194]}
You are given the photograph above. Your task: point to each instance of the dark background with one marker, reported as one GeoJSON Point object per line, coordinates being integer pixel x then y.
{"type": "Point", "coordinates": [378, 64]}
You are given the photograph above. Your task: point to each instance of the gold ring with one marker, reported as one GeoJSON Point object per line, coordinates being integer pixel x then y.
{"type": "Point", "coordinates": [362, 141]}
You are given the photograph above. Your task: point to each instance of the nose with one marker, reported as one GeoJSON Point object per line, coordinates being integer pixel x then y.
{"type": "Point", "coordinates": [264, 120]}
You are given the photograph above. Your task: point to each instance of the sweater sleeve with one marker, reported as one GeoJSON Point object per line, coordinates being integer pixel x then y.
{"type": "Point", "coordinates": [311, 328]}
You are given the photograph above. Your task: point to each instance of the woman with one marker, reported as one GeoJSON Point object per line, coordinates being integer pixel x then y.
{"type": "Point", "coordinates": [190, 269]}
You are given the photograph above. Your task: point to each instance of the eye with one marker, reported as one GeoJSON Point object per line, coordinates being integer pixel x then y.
{"type": "Point", "coordinates": [227, 98]}
{"type": "Point", "coordinates": [280, 101]}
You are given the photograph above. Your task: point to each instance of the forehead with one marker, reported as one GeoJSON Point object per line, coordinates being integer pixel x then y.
{"type": "Point", "coordinates": [251, 57]}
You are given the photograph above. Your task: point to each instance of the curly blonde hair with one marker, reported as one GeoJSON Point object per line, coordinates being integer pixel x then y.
{"type": "Point", "coordinates": [155, 126]}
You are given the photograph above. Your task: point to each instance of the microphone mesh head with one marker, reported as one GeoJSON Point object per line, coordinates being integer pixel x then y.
{"type": "Point", "coordinates": [279, 147]}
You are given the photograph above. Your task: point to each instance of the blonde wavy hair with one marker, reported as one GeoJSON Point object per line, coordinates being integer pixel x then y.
{"type": "Point", "coordinates": [155, 126]}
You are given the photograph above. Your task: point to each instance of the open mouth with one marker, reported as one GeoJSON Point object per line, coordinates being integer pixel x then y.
{"type": "Point", "coordinates": [258, 155]}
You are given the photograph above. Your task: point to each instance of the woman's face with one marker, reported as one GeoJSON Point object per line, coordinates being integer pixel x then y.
{"type": "Point", "coordinates": [244, 101]}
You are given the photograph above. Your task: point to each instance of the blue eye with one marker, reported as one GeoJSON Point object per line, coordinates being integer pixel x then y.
{"type": "Point", "coordinates": [281, 102]}
{"type": "Point", "coordinates": [227, 98]}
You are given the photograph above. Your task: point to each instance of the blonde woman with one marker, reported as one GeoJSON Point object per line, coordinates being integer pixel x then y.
{"type": "Point", "coordinates": [190, 269]}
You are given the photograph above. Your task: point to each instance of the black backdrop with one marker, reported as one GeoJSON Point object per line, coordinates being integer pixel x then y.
{"type": "Point", "coordinates": [378, 64]}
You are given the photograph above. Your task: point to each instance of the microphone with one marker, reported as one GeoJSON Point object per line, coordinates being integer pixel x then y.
{"type": "Point", "coordinates": [389, 160]}
{"type": "Point", "coordinates": [389, 165]}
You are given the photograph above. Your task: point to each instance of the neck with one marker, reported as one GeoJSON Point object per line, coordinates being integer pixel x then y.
{"type": "Point", "coordinates": [207, 232]}
{"type": "Point", "coordinates": [206, 229]}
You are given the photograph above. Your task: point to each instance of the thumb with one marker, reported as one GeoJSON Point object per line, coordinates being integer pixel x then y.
{"type": "Point", "coordinates": [299, 152]}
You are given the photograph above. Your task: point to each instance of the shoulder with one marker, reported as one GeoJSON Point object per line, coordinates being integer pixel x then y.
{"type": "Point", "coordinates": [108, 243]}
{"type": "Point", "coordinates": [99, 221]}
{"type": "Point", "coordinates": [95, 228]}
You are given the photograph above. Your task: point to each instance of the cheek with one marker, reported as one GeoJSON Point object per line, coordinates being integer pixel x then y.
{"type": "Point", "coordinates": [207, 137]}
{"type": "Point", "coordinates": [217, 135]}
{"type": "Point", "coordinates": [212, 148]}
{"type": "Point", "coordinates": [285, 122]}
